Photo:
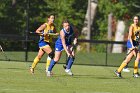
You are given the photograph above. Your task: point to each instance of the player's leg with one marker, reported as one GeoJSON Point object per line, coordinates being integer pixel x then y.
{"type": "Point", "coordinates": [36, 60]}
{"type": "Point", "coordinates": [50, 53]}
{"type": "Point", "coordinates": [126, 69]}
{"type": "Point", "coordinates": [54, 61]}
{"type": "Point", "coordinates": [136, 63]}
{"type": "Point", "coordinates": [48, 63]}
{"type": "Point", "coordinates": [124, 63]}
{"type": "Point", "coordinates": [58, 52]}
{"type": "Point", "coordinates": [50, 56]}
{"type": "Point", "coordinates": [70, 61]}
{"type": "Point", "coordinates": [71, 50]}
{"type": "Point", "coordinates": [68, 67]}
{"type": "Point", "coordinates": [129, 46]}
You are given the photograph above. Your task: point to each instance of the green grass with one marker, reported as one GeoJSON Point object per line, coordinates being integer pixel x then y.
{"type": "Point", "coordinates": [113, 59]}
{"type": "Point", "coordinates": [15, 78]}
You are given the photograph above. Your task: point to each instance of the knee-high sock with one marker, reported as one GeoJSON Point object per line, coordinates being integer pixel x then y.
{"type": "Point", "coordinates": [51, 65]}
{"type": "Point", "coordinates": [136, 67]}
{"type": "Point", "coordinates": [121, 67]}
{"type": "Point", "coordinates": [36, 60]}
{"type": "Point", "coordinates": [67, 60]}
{"type": "Point", "coordinates": [70, 62]}
{"type": "Point", "coordinates": [48, 62]}
{"type": "Point", "coordinates": [126, 66]}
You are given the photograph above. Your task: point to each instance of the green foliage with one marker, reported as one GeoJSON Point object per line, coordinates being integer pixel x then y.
{"type": "Point", "coordinates": [68, 9]}
{"type": "Point", "coordinates": [11, 20]}
{"type": "Point", "coordinates": [13, 17]}
{"type": "Point", "coordinates": [121, 9]}
{"type": "Point", "coordinates": [104, 8]}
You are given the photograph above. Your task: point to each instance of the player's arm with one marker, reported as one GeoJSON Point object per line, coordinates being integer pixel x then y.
{"type": "Point", "coordinates": [130, 35]}
{"type": "Point", "coordinates": [62, 36]}
{"type": "Point", "coordinates": [75, 35]}
{"type": "Point", "coordinates": [40, 29]}
{"type": "Point", "coordinates": [55, 31]}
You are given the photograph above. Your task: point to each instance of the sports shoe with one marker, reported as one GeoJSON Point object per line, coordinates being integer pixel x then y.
{"type": "Point", "coordinates": [136, 75]}
{"type": "Point", "coordinates": [126, 70]}
{"type": "Point", "coordinates": [64, 66]}
{"type": "Point", "coordinates": [48, 73]}
{"type": "Point", "coordinates": [68, 71]}
{"type": "Point", "coordinates": [31, 70]}
{"type": "Point", "coordinates": [117, 74]}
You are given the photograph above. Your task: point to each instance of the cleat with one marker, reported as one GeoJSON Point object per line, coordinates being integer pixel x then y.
{"type": "Point", "coordinates": [64, 66]}
{"type": "Point", "coordinates": [46, 70]}
{"type": "Point", "coordinates": [117, 74]}
{"type": "Point", "coordinates": [68, 71]}
{"type": "Point", "coordinates": [48, 73]}
{"type": "Point", "coordinates": [126, 70]}
{"type": "Point", "coordinates": [31, 70]}
{"type": "Point", "coordinates": [136, 75]}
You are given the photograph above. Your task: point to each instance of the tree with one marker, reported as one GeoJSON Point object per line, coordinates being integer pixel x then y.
{"type": "Point", "coordinates": [13, 14]}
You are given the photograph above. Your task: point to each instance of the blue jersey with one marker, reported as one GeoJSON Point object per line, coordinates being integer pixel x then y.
{"type": "Point", "coordinates": [69, 36]}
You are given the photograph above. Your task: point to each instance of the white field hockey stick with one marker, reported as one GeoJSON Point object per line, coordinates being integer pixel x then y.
{"type": "Point", "coordinates": [54, 34]}
{"type": "Point", "coordinates": [129, 51]}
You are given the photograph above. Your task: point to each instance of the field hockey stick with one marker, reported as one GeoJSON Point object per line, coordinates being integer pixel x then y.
{"type": "Point", "coordinates": [68, 57]}
{"type": "Point", "coordinates": [129, 52]}
{"type": "Point", "coordinates": [74, 47]}
{"type": "Point", "coordinates": [54, 34]}
{"type": "Point", "coordinates": [4, 53]}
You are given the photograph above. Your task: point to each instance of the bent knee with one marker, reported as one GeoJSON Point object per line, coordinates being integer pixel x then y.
{"type": "Point", "coordinates": [39, 56]}
{"type": "Point", "coordinates": [56, 59]}
{"type": "Point", "coordinates": [51, 54]}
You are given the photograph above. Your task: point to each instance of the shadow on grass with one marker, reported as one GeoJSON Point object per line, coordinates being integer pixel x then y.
{"type": "Point", "coordinates": [88, 76]}
{"type": "Point", "coordinates": [14, 68]}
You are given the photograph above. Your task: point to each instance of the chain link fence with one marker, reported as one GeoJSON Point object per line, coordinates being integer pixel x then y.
{"type": "Point", "coordinates": [18, 18]}
{"type": "Point", "coordinates": [99, 54]}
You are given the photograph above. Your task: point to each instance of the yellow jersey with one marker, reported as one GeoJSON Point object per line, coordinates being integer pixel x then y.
{"type": "Point", "coordinates": [134, 30]}
{"type": "Point", "coordinates": [48, 38]}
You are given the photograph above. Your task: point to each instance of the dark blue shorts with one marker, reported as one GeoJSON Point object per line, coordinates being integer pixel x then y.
{"type": "Point", "coordinates": [59, 47]}
{"type": "Point", "coordinates": [43, 43]}
{"type": "Point", "coordinates": [129, 45]}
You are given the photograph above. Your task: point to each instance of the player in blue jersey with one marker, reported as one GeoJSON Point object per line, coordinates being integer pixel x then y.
{"type": "Point", "coordinates": [66, 40]}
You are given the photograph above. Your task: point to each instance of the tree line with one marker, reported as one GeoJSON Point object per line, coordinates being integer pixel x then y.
{"type": "Point", "coordinates": [13, 14]}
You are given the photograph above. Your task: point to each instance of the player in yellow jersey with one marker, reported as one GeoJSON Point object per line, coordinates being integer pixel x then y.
{"type": "Point", "coordinates": [44, 43]}
{"type": "Point", "coordinates": [133, 48]}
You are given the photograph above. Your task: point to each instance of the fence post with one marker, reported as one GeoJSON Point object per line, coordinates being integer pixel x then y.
{"type": "Point", "coordinates": [27, 29]}
{"type": "Point", "coordinates": [106, 54]}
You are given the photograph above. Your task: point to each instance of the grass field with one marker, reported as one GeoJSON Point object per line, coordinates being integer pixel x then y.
{"type": "Point", "coordinates": [15, 78]}
{"type": "Point", "coordinates": [113, 59]}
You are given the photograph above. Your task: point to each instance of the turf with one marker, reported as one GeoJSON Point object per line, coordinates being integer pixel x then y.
{"type": "Point", "coordinates": [15, 78]}
{"type": "Point", "coordinates": [111, 59]}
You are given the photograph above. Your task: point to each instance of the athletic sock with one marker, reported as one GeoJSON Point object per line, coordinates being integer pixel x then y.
{"type": "Point", "coordinates": [70, 62]}
{"type": "Point", "coordinates": [36, 60]}
{"type": "Point", "coordinates": [51, 65]}
{"type": "Point", "coordinates": [121, 67]}
{"type": "Point", "coordinates": [136, 67]}
{"type": "Point", "coordinates": [48, 62]}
